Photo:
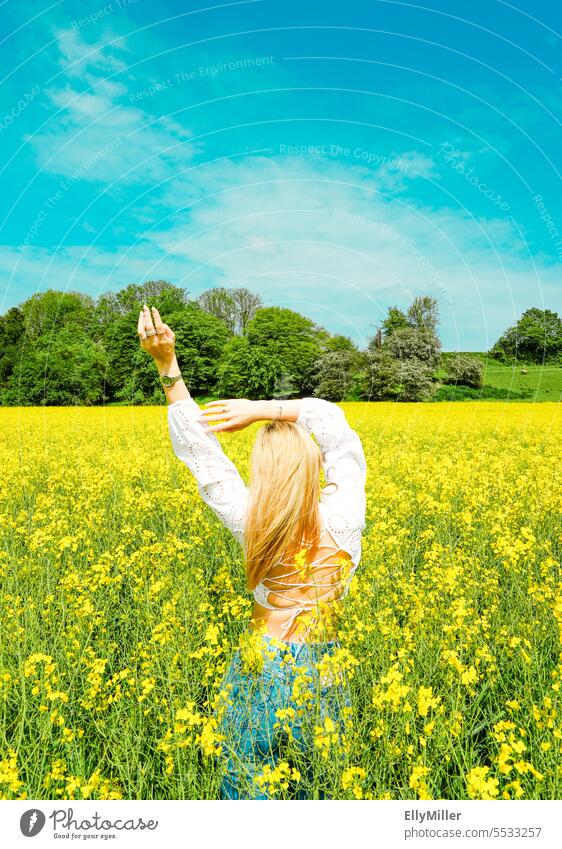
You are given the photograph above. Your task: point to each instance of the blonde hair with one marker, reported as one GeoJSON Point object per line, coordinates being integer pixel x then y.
{"type": "Point", "coordinates": [283, 514]}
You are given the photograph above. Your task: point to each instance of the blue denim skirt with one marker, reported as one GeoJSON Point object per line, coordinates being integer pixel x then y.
{"type": "Point", "coordinates": [255, 736]}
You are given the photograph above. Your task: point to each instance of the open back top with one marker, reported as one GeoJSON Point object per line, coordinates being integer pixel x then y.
{"type": "Point", "coordinates": [300, 589]}
{"type": "Point", "coordinates": [342, 507]}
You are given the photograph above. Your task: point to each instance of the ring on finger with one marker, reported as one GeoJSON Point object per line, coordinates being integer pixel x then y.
{"type": "Point", "coordinates": [160, 332]}
{"type": "Point", "coordinates": [151, 333]}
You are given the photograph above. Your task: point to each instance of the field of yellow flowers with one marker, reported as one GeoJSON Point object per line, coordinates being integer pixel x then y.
{"type": "Point", "coordinates": [122, 599]}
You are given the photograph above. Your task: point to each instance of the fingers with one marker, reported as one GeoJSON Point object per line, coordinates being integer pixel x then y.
{"type": "Point", "coordinates": [150, 319]}
{"type": "Point", "coordinates": [208, 416]}
{"type": "Point", "coordinates": [148, 325]}
{"type": "Point", "coordinates": [159, 325]}
{"type": "Point", "coordinates": [217, 428]}
{"type": "Point", "coordinates": [215, 411]}
{"type": "Point", "coordinates": [140, 326]}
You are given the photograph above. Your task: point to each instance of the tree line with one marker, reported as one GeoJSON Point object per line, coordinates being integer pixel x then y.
{"type": "Point", "coordinates": [65, 348]}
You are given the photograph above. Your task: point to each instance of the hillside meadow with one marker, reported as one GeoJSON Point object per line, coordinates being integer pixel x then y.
{"type": "Point", "coordinates": [122, 599]}
{"type": "Point", "coordinates": [539, 383]}
{"type": "Point", "coordinates": [542, 383]}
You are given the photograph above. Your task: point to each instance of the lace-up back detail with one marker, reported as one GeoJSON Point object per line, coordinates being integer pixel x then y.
{"type": "Point", "coordinates": [304, 588]}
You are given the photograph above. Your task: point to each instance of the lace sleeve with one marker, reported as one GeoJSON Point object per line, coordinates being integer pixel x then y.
{"type": "Point", "coordinates": [218, 480]}
{"type": "Point", "coordinates": [344, 464]}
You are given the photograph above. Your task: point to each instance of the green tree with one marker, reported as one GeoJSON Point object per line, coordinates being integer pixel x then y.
{"type": "Point", "coordinates": [334, 375]}
{"type": "Point", "coordinates": [47, 312]}
{"type": "Point", "coordinates": [395, 320]}
{"type": "Point", "coordinates": [234, 368]}
{"type": "Point", "coordinates": [200, 342]}
{"type": "Point", "coordinates": [423, 315]}
{"type": "Point", "coordinates": [236, 307]}
{"type": "Point", "coordinates": [288, 338]}
{"type": "Point", "coordinates": [535, 338]}
{"type": "Point", "coordinates": [12, 332]}
{"type": "Point", "coordinates": [466, 370]}
{"type": "Point", "coordinates": [112, 306]}
{"type": "Point", "coordinates": [247, 371]}
{"type": "Point", "coordinates": [341, 343]}
{"type": "Point", "coordinates": [409, 343]}
{"type": "Point", "coordinates": [62, 368]}
{"type": "Point", "coordinates": [379, 377]}
{"type": "Point", "coordinates": [414, 380]}
{"type": "Point", "coordinates": [404, 353]}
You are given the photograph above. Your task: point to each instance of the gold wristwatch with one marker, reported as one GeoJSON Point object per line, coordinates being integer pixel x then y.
{"type": "Point", "coordinates": [166, 380]}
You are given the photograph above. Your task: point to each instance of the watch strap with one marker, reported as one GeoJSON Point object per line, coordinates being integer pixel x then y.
{"type": "Point", "coordinates": [166, 380]}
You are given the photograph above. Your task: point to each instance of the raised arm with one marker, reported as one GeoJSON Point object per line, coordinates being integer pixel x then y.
{"type": "Point", "coordinates": [218, 480]}
{"type": "Point", "coordinates": [342, 454]}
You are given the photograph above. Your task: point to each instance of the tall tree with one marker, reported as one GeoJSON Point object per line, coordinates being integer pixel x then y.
{"type": "Point", "coordinates": [220, 303]}
{"type": "Point", "coordinates": [423, 315]}
{"type": "Point", "coordinates": [288, 336]}
{"type": "Point", "coordinates": [248, 371]}
{"type": "Point", "coordinates": [47, 312]}
{"type": "Point", "coordinates": [395, 320]}
{"type": "Point", "coordinates": [535, 338]}
{"type": "Point", "coordinates": [111, 306]}
{"type": "Point", "coordinates": [246, 305]}
{"type": "Point", "coordinates": [404, 353]}
{"type": "Point", "coordinates": [12, 331]}
{"type": "Point", "coordinates": [338, 342]}
{"type": "Point", "coordinates": [61, 368]}
{"type": "Point", "coordinates": [236, 307]}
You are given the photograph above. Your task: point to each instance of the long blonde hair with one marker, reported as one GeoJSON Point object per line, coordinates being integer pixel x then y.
{"type": "Point", "coordinates": [283, 514]}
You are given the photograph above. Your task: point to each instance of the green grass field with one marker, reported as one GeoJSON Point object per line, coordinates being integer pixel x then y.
{"type": "Point", "coordinates": [541, 383]}
{"type": "Point", "coordinates": [544, 382]}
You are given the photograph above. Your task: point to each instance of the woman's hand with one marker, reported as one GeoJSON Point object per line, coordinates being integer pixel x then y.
{"type": "Point", "coordinates": [156, 338]}
{"type": "Point", "coordinates": [234, 413]}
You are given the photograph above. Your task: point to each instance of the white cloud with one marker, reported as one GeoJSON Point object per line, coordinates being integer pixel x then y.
{"type": "Point", "coordinates": [91, 113]}
{"type": "Point", "coordinates": [86, 60]}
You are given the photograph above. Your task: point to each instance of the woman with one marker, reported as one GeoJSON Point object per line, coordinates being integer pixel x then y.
{"type": "Point", "coordinates": [301, 547]}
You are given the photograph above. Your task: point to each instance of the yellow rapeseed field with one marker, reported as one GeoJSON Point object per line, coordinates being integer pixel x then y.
{"type": "Point", "coordinates": [122, 599]}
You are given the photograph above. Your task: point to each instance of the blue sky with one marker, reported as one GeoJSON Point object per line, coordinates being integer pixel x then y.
{"type": "Point", "coordinates": [336, 159]}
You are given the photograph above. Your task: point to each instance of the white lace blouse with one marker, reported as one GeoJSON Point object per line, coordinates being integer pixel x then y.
{"type": "Point", "coordinates": [220, 486]}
